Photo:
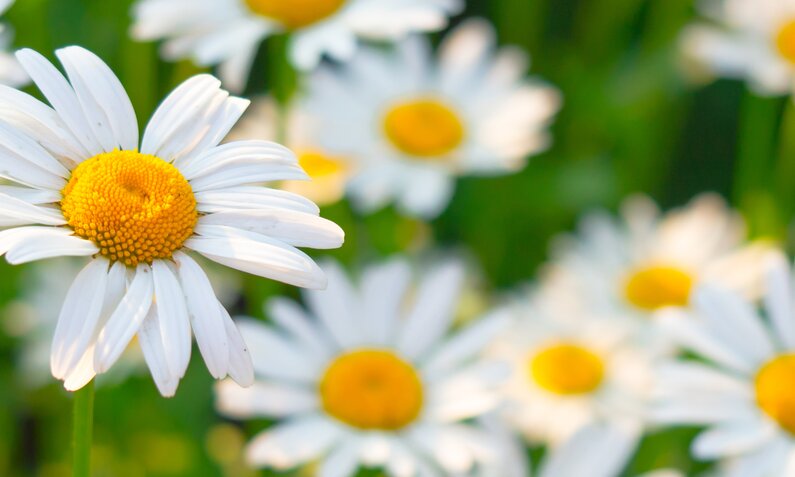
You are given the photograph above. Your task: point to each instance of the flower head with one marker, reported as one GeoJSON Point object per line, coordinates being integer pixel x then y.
{"type": "Point", "coordinates": [367, 376]}
{"type": "Point", "coordinates": [741, 385]}
{"type": "Point", "coordinates": [228, 32]}
{"type": "Point", "coordinates": [85, 186]}
{"type": "Point", "coordinates": [412, 123]}
{"type": "Point", "coordinates": [753, 40]}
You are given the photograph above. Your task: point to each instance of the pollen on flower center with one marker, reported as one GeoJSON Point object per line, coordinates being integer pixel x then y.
{"type": "Point", "coordinates": [317, 165]}
{"type": "Point", "coordinates": [134, 207]}
{"type": "Point", "coordinates": [567, 369]}
{"type": "Point", "coordinates": [785, 41]}
{"type": "Point", "coordinates": [425, 128]}
{"type": "Point", "coordinates": [775, 390]}
{"type": "Point", "coordinates": [372, 389]}
{"type": "Point", "coordinates": [658, 286]}
{"type": "Point", "coordinates": [295, 14]}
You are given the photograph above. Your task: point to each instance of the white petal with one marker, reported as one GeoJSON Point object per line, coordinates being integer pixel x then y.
{"type": "Point", "coordinates": [293, 443]}
{"type": "Point", "coordinates": [125, 321]}
{"type": "Point", "coordinates": [298, 229]}
{"type": "Point", "coordinates": [156, 352]}
{"type": "Point", "coordinates": [779, 299]}
{"type": "Point", "coordinates": [338, 307]}
{"type": "Point", "coordinates": [252, 197]}
{"type": "Point", "coordinates": [732, 439]}
{"type": "Point", "coordinates": [27, 244]}
{"type": "Point", "coordinates": [466, 344]}
{"type": "Point", "coordinates": [241, 367]}
{"type": "Point", "coordinates": [264, 153]}
{"type": "Point", "coordinates": [289, 316]}
{"type": "Point", "coordinates": [14, 212]}
{"type": "Point", "coordinates": [172, 318]}
{"type": "Point", "coordinates": [23, 161]}
{"type": "Point", "coordinates": [258, 255]}
{"type": "Point", "coordinates": [383, 290]}
{"type": "Point", "coordinates": [80, 314]}
{"type": "Point", "coordinates": [263, 399]}
{"type": "Point", "coordinates": [343, 461]}
{"type": "Point", "coordinates": [103, 98]}
{"type": "Point", "coordinates": [82, 373]}
{"type": "Point", "coordinates": [206, 317]}
{"type": "Point", "coordinates": [187, 102]}
{"type": "Point", "coordinates": [61, 96]}
{"type": "Point", "coordinates": [276, 356]}
{"type": "Point", "coordinates": [242, 174]}
{"type": "Point", "coordinates": [734, 321]}
{"type": "Point", "coordinates": [596, 451]}
{"type": "Point", "coordinates": [432, 311]}
{"type": "Point", "coordinates": [31, 196]}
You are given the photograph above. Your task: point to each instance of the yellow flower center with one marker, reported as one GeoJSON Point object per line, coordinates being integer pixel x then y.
{"type": "Point", "coordinates": [775, 390]}
{"type": "Point", "coordinates": [567, 369]}
{"type": "Point", "coordinates": [424, 128]}
{"type": "Point", "coordinates": [659, 286]}
{"type": "Point", "coordinates": [785, 41]}
{"type": "Point", "coordinates": [135, 207]}
{"type": "Point", "coordinates": [295, 14]}
{"type": "Point", "coordinates": [319, 165]}
{"type": "Point", "coordinates": [372, 389]}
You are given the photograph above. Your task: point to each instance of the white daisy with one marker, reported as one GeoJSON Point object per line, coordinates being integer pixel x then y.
{"type": "Point", "coordinates": [11, 73]}
{"type": "Point", "coordinates": [329, 173]}
{"type": "Point", "coordinates": [414, 124]}
{"type": "Point", "coordinates": [572, 371]}
{"type": "Point", "coordinates": [228, 32]}
{"type": "Point", "coordinates": [368, 377]}
{"type": "Point", "coordinates": [752, 40]}
{"type": "Point", "coordinates": [84, 188]}
{"type": "Point", "coordinates": [741, 386]}
{"type": "Point", "coordinates": [643, 261]}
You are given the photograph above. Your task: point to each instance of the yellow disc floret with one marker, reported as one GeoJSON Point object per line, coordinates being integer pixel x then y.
{"type": "Point", "coordinates": [295, 14]}
{"type": "Point", "coordinates": [658, 286]}
{"type": "Point", "coordinates": [567, 369]}
{"type": "Point", "coordinates": [785, 41]}
{"type": "Point", "coordinates": [135, 207]}
{"type": "Point", "coordinates": [775, 390]}
{"type": "Point", "coordinates": [372, 389]}
{"type": "Point", "coordinates": [318, 165]}
{"type": "Point", "coordinates": [425, 128]}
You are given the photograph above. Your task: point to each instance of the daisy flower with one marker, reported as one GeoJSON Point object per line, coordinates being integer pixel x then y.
{"type": "Point", "coordinates": [753, 40]}
{"type": "Point", "coordinates": [741, 388]}
{"type": "Point", "coordinates": [11, 73]}
{"type": "Point", "coordinates": [367, 376]}
{"type": "Point", "coordinates": [644, 261]}
{"type": "Point", "coordinates": [83, 186]}
{"type": "Point", "coordinates": [329, 173]}
{"type": "Point", "coordinates": [229, 32]}
{"type": "Point", "coordinates": [571, 371]}
{"type": "Point", "coordinates": [414, 123]}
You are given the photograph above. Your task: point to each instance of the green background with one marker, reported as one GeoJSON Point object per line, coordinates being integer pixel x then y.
{"type": "Point", "coordinates": [630, 123]}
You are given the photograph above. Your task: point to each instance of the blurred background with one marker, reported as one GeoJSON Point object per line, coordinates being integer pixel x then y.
{"type": "Point", "coordinates": [633, 121]}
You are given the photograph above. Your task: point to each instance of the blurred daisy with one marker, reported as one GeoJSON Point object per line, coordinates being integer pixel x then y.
{"type": "Point", "coordinates": [84, 188]}
{"type": "Point", "coordinates": [752, 40]}
{"type": "Point", "coordinates": [329, 173]}
{"type": "Point", "coordinates": [368, 377]}
{"type": "Point", "coordinates": [741, 387]}
{"type": "Point", "coordinates": [645, 261]}
{"type": "Point", "coordinates": [572, 371]}
{"type": "Point", "coordinates": [11, 73]}
{"type": "Point", "coordinates": [414, 124]}
{"type": "Point", "coordinates": [228, 32]}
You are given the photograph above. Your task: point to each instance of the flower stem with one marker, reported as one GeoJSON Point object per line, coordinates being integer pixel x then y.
{"type": "Point", "coordinates": [753, 182]}
{"type": "Point", "coordinates": [83, 423]}
{"type": "Point", "coordinates": [282, 79]}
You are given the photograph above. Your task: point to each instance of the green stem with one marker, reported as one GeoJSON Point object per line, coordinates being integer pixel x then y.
{"type": "Point", "coordinates": [83, 429]}
{"type": "Point", "coordinates": [282, 79]}
{"type": "Point", "coordinates": [753, 189]}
